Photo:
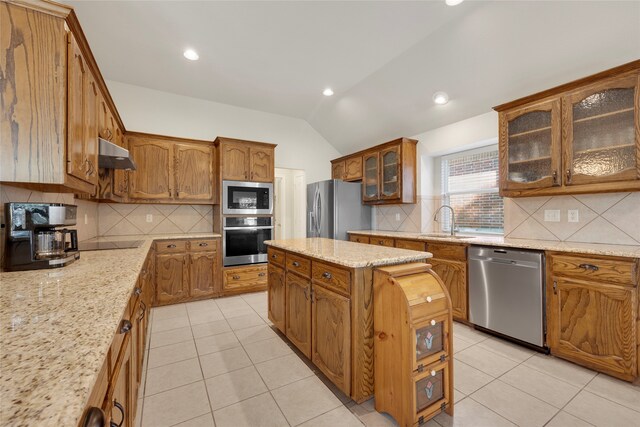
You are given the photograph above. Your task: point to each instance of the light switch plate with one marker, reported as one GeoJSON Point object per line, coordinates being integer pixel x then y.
{"type": "Point", "coordinates": [573, 215]}
{"type": "Point", "coordinates": [552, 215]}
{"type": "Point", "coordinates": [149, 217]}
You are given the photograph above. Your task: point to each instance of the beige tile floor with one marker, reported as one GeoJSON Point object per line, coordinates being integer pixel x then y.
{"type": "Point", "coordinates": [219, 363]}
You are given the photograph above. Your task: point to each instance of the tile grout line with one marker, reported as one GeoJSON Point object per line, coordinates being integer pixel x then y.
{"type": "Point", "coordinates": [204, 382]}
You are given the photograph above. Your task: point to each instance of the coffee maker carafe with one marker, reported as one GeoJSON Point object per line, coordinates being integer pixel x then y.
{"type": "Point", "coordinates": [34, 239]}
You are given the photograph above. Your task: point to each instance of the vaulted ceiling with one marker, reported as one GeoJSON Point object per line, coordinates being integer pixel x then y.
{"type": "Point", "coordinates": [384, 60]}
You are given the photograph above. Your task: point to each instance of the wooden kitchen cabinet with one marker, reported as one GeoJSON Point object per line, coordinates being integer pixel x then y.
{"type": "Point", "coordinates": [172, 278]}
{"type": "Point", "coordinates": [241, 160]}
{"type": "Point", "coordinates": [592, 312]}
{"type": "Point", "coordinates": [580, 137]}
{"type": "Point", "coordinates": [170, 170]}
{"type": "Point", "coordinates": [387, 171]}
{"type": "Point", "coordinates": [121, 402]}
{"type": "Point", "coordinates": [454, 277]}
{"type": "Point", "coordinates": [331, 336]}
{"type": "Point", "coordinates": [276, 304]}
{"type": "Point", "coordinates": [202, 274]}
{"type": "Point", "coordinates": [193, 171]}
{"type": "Point", "coordinates": [298, 312]}
{"type": "Point", "coordinates": [244, 278]}
{"type": "Point", "coordinates": [347, 169]}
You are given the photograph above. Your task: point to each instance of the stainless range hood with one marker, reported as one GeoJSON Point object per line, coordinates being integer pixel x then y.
{"type": "Point", "coordinates": [112, 156]}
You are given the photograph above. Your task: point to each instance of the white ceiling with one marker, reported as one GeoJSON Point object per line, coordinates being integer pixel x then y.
{"type": "Point", "coordinates": [384, 60]}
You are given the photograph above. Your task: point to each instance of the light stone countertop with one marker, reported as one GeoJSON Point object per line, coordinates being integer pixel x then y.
{"type": "Point", "coordinates": [493, 240]}
{"type": "Point", "coordinates": [348, 254]}
{"type": "Point", "coordinates": [56, 327]}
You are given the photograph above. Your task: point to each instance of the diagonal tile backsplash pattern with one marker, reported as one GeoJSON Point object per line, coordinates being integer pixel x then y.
{"type": "Point", "coordinates": [603, 218]}
{"type": "Point", "coordinates": [125, 219]}
{"type": "Point", "coordinates": [412, 218]}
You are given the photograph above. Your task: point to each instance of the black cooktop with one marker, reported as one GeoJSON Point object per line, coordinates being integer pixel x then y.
{"type": "Point", "coordinates": [101, 246]}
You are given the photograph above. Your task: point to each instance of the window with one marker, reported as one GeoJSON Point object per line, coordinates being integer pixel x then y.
{"type": "Point", "coordinates": [470, 187]}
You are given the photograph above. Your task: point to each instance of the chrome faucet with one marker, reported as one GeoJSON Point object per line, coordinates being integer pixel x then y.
{"type": "Point", "coordinates": [453, 218]}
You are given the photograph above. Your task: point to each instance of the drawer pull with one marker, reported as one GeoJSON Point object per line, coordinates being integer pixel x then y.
{"type": "Point", "coordinates": [262, 274]}
{"type": "Point", "coordinates": [274, 256]}
{"type": "Point", "coordinates": [93, 418]}
{"type": "Point", "coordinates": [203, 244]}
{"type": "Point", "coordinates": [296, 264]}
{"type": "Point", "coordinates": [589, 267]}
{"type": "Point", "coordinates": [381, 242]}
{"type": "Point", "coordinates": [171, 246]}
{"type": "Point", "coordinates": [327, 275]}
{"type": "Point", "coordinates": [555, 287]}
{"type": "Point", "coordinates": [433, 373]}
{"type": "Point", "coordinates": [137, 290]}
{"type": "Point", "coordinates": [236, 277]}
{"type": "Point", "coordinates": [433, 322]}
{"type": "Point", "coordinates": [125, 327]}
{"type": "Point", "coordinates": [428, 299]}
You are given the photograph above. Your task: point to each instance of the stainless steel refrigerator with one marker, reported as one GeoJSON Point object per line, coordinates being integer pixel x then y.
{"type": "Point", "coordinates": [335, 207]}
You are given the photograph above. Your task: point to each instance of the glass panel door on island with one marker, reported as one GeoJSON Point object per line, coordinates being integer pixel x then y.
{"type": "Point", "coordinates": [602, 132]}
{"type": "Point", "coordinates": [533, 146]}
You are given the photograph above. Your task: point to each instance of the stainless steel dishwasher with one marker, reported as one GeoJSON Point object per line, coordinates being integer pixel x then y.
{"type": "Point", "coordinates": [506, 292]}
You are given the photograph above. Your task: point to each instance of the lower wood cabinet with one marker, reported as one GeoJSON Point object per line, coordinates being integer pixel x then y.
{"type": "Point", "coordinates": [186, 270]}
{"type": "Point", "coordinates": [276, 294]}
{"type": "Point", "coordinates": [454, 276]}
{"type": "Point", "coordinates": [122, 401]}
{"type": "Point", "coordinates": [592, 312]}
{"type": "Point", "coordinates": [298, 312]}
{"type": "Point", "coordinates": [244, 278]}
{"type": "Point", "coordinates": [331, 336]}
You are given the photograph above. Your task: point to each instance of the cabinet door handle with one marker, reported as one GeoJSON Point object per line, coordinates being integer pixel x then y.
{"type": "Point", "coordinates": [94, 417]}
{"type": "Point", "coordinates": [143, 306]}
{"type": "Point", "coordinates": [589, 267]}
{"type": "Point", "coordinates": [555, 176]}
{"type": "Point", "coordinates": [306, 295]}
{"type": "Point", "coordinates": [236, 277]}
{"type": "Point", "coordinates": [203, 244]}
{"type": "Point", "coordinates": [262, 274]}
{"type": "Point", "coordinates": [327, 275]}
{"type": "Point", "coordinates": [295, 264]}
{"type": "Point", "coordinates": [568, 175]}
{"type": "Point", "coordinates": [555, 287]}
{"type": "Point", "coordinates": [121, 409]}
{"type": "Point", "coordinates": [137, 291]}
{"type": "Point", "coordinates": [125, 327]}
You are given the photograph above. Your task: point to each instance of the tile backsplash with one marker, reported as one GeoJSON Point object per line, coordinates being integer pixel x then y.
{"type": "Point", "coordinates": [119, 219]}
{"type": "Point", "coordinates": [610, 218]}
{"type": "Point", "coordinates": [412, 218]}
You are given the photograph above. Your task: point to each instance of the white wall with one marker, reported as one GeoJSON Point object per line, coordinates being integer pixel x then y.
{"type": "Point", "coordinates": [292, 219]}
{"type": "Point", "coordinates": [152, 111]}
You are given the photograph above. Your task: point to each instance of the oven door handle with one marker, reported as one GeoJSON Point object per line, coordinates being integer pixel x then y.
{"type": "Point", "coordinates": [270, 227]}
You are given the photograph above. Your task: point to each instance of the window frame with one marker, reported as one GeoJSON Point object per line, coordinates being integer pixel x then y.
{"type": "Point", "coordinates": [444, 221]}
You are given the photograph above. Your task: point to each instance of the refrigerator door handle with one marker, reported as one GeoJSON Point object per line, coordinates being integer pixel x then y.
{"type": "Point", "coordinates": [319, 213]}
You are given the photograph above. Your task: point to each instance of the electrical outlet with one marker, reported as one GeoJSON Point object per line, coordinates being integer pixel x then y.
{"type": "Point", "coordinates": [552, 215]}
{"type": "Point", "coordinates": [86, 219]}
{"type": "Point", "coordinates": [149, 217]}
{"type": "Point", "coordinates": [397, 217]}
{"type": "Point", "coordinates": [573, 215]}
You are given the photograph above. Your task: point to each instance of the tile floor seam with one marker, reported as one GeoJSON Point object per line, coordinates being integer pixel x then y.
{"type": "Point", "coordinates": [319, 415]}
{"type": "Point", "coordinates": [567, 404]}
{"type": "Point", "coordinates": [173, 388]}
{"type": "Point", "coordinates": [206, 389]}
{"type": "Point", "coordinates": [489, 409]}
{"type": "Point", "coordinates": [559, 379]}
{"type": "Point", "coordinates": [278, 405]}
{"type": "Point", "coordinates": [609, 400]}
{"type": "Point", "coordinates": [173, 343]}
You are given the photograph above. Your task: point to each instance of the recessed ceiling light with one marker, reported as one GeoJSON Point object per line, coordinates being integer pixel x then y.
{"type": "Point", "coordinates": [191, 55]}
{"type": "Point", "coordinates": [440, 98]}
{"type": "Point", "coordinates": [327, 92]}
{"type": "Point", "coordinates": [453, 2]}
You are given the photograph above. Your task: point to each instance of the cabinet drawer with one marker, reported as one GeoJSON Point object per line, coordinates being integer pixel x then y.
{"type": "Point", "coordinates": [381, 241]}
{"type": "Point", "coordinates": [299, 265]}
{"type": "Point", "coordinates": [276, 256]}
{"type": "Point", "coordinates": [410, 244]}
{"type": "Point", "coordinates": [332, 277]}
{"type": "Point", "coordinates": [358, 239]}
{"type": "Point", "coordinates": [610, 270]}
{"type": "Point", "coordinates": [448, 252]}
{"type": "Point", "coordinates": [245, 277]}
{"type": "Point", "coordinates": [203, 245]}
{"type": "Point", "coordinates": [171, 246]}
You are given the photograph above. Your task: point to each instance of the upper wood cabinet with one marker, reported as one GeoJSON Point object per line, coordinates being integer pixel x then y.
{"type": "Point", "coordinates": [245, 160]}
{"type": "Point", "coordinates": [170, 170]}
{"type": "Point", "coordinates": [581, 137]}
{"type": "Point", "coordinates": [388, 172]}
{"type": "Point", "coordinates": [349, 169]}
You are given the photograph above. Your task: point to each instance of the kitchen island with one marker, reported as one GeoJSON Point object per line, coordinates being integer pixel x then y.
{"type": "Point", "coordinates": [321, 298]}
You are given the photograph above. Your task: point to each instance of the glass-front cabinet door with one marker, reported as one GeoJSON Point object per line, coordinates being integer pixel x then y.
{"type": "Point", "coordinates": [371, 187]}
{"type": "Point", "coordinates": [390, 173]}
{"type": "Point", "coordinates": [602, 130]}
{"type": "Point", "coordinates": [530, 146]}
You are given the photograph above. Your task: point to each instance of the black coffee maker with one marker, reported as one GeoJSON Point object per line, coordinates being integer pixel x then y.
{"type": "Point", "coordinates": [34, 239]}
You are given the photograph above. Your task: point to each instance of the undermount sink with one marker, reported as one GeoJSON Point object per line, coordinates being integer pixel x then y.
{"type": "Point", "coordinates": [448, 236]}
